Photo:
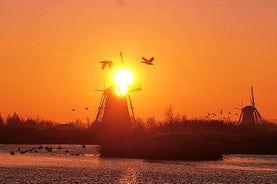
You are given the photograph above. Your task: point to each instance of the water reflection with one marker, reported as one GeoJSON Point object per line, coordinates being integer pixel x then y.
{"type": "Point", "coordinates": [87, 167]}
{"type": "Point", "coordinates": [128, 176]}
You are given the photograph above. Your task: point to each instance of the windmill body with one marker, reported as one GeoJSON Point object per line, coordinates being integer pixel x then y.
{"type": "Point", "coordinates": [113, 112]}
{"type": "Point", "coordinates": [113, 123]}
{"type": "Point", "coordinates": [113, 116]}
{"type": "Point", "coordinates": [250, 115]}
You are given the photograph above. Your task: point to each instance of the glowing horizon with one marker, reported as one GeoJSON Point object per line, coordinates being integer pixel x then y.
{"type": "Point", "coordinates": [207, 56]}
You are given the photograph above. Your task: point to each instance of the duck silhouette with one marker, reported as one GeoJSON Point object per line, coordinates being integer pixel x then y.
{"type": "Point", "coordinates": [106, 63]}
{"type": "Point", "coordinates": [147, 61]}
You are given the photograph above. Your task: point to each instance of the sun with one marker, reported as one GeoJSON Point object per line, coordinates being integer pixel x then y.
{"type": "Point", "coordinates": [123, 78]}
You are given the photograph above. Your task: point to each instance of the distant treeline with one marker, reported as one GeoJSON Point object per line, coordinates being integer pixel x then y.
{"type": "Point", "coordinates": [228, 137]}
{"type": "Point", "coordinates": [35, 131]}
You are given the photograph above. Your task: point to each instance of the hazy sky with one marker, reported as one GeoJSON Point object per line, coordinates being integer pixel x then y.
{"type": "Point", "coordinates": [207, 55]}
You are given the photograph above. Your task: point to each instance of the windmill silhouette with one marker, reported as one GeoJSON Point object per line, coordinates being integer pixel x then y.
{"type": "Point", "coordinates": [249, 114]}
{"type": "Point", "coordinates": [114, 110]}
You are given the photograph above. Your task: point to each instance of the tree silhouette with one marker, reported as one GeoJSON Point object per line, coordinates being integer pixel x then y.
{"type": "Point", "coordinates": [14, 120]}
{"type": "Point", "coordinates": [1, 120]}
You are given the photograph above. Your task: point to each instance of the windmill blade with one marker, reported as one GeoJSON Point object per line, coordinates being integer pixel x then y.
{"type": "Point", "coordinates": [258, 114]}
{"type": "Point", "coordinates": [132, 108]}
{"type": "Point", "coordinates": [121, 58]}
{"type": "Point", "coordinates": [135, 89]}
{"type": "Point", "coordinates": [101, 107]}
{"type": "Point", "coordinates": [252, 97]}
{"type": "Point", "coordinates": [252, 92]}
{"type": "Point", "coordinates": [240, 118]}
{"type": "Point", "coordinates": [99, 90]}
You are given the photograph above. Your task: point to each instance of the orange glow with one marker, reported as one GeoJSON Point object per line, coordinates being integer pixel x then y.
{"type": "Point", "coordinates": [207, 55]}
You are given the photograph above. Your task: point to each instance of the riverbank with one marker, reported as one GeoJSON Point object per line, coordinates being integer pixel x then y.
{"type": "Point", "coordinates": [173, 140]}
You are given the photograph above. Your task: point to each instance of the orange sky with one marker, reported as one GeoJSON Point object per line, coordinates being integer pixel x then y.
{"type": "Point", "coordinates": [207, 55]}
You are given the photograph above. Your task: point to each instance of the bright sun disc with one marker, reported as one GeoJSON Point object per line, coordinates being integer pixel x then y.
{"type": "Point", "coordinates": [122, 78]}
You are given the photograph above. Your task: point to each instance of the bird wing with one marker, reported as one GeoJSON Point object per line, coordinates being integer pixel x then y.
{"type": "Point", "coordinates": [144, 59]}
{"type": "Point", "coordinates": [151, 59]}
{"type": "Point", "coordinates": [103, 65]}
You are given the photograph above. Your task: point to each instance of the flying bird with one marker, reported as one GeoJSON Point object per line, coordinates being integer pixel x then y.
{"type": "Point", "coordinates": [73, 109]}
{"type": "Point", "coordinates": [105, 63]}
{"type": "Point", "coordinates": [147, 61]}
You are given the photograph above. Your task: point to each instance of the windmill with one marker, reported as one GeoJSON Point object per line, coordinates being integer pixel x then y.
{"type": "Point", "coordinates": [114, 110]}
{"type": "Point", "coordinates": [249, 114]}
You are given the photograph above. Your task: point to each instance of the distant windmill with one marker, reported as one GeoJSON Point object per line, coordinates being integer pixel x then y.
{"type": "Point", "coordinates": [249, 114]}
{"type": "Point", "coordinates": [113, 110]}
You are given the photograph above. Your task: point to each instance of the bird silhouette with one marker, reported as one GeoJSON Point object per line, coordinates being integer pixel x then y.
{"type": "Point", "coordinates": [73, 109]}
{"type": "Point", "coordinates": [147, 61]}
{"type": "Point", "coordinates": [105, 63]}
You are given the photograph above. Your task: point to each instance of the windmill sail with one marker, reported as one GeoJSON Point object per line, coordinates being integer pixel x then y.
{"type": "Point", "coordinates": [252, 97]}
{"type": "Point", "coordinates": [121, 58]}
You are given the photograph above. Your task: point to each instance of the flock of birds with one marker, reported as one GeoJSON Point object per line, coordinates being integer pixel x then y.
{"type": "Point", "coordinates": [86, 108]}
{"type": "Point", "coordinates": [221, 114]}
{"type": "Point", "coordinates": [110, 63]}
{"type": "Point", "coordinates": [40, 148]}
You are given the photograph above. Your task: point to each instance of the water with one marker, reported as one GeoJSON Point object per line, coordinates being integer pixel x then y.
{"type": "Point", "coordinates": [84, 165]}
